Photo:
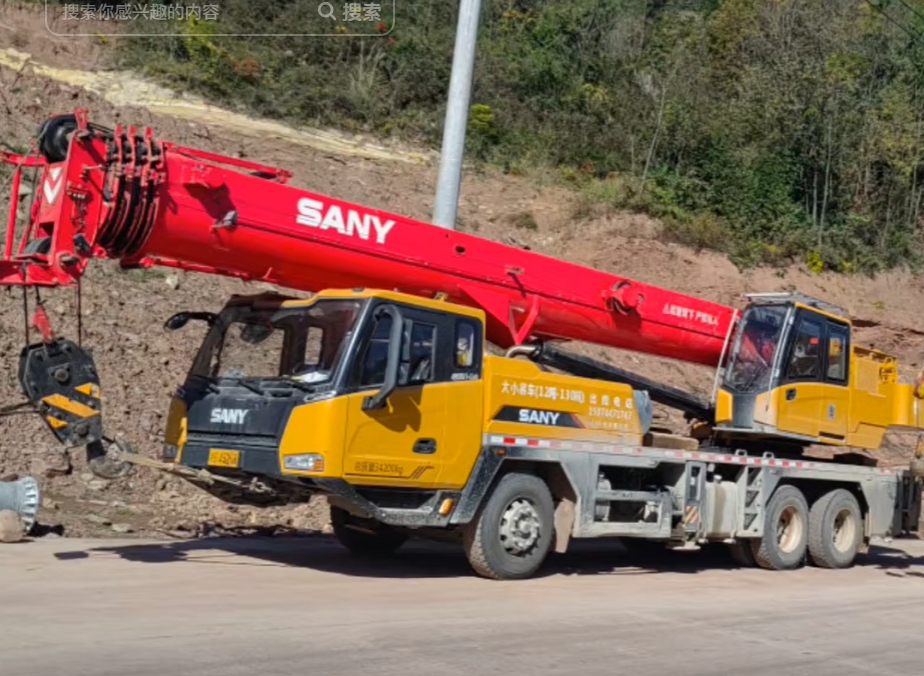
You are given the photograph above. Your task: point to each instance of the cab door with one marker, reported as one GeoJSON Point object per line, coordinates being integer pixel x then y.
{"type": "Point", "coordinates": [801, 393]}
{"type": "Point", "coordinates": [409, 441]}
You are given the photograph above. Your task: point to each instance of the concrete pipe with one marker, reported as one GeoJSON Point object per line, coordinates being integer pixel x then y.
{"type": "Point", "coordinates": [21, 497]}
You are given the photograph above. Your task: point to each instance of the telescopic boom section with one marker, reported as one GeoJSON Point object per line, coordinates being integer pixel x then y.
{"type": "Point", "coordinates": [127, 195]}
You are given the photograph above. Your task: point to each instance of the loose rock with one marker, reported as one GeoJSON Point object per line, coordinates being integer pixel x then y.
{"type": "Point", "coordinates": [11, 528]}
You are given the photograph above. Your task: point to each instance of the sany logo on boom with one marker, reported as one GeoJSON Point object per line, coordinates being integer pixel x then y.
{"type": "Point", "coordinates": [353, 223]}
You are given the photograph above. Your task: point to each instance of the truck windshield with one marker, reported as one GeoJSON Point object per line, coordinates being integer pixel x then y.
{"type": "Point", "coordinates": [302, 343]}
{"type": "Point", "coordinates": [751, 362]}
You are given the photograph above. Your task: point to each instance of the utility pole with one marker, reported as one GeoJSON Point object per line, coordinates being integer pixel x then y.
{"type": "Point", "coordinates": [460, 89]}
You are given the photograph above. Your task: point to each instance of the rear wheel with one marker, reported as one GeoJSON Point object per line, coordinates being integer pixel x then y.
{"type": "Point", "coordinates": [511, 534]}
{"type": "Point", "coordinates": [835, 530]}
{"type": "Point", "coordinates": [364, 538]}
{"type": "Point", "coordinates": [785, 538]}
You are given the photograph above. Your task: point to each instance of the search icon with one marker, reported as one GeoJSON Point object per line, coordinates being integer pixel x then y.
{"type": "Point", "coordinates": [326, 14]}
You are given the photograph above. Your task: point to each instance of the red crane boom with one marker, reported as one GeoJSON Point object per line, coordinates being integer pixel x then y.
{"type": "Point", "coordinates": [127, 195]}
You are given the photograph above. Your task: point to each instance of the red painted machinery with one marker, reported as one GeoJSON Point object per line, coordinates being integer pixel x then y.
{"type": "Point", "coordinates": [124, 194]}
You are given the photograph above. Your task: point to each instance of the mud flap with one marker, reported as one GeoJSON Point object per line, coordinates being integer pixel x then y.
{"type": "Point", "coordinates": [60, 380]}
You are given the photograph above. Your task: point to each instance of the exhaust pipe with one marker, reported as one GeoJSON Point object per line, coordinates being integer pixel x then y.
{"type": "Point", "coordinates": [23, 498]}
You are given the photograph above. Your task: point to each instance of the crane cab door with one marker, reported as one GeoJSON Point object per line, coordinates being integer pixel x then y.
{"type": "Point", "coordinates": [813, 396]}
{"type": "Point", "coordinates": [801, 391]}
{"type": "Point", "coordinates": [434, 415]}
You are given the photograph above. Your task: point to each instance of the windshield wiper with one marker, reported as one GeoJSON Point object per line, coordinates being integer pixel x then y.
{"type": "Point", "coordinates": [298, 384]}
{"type": "Point", "coordinates": [250, 386]}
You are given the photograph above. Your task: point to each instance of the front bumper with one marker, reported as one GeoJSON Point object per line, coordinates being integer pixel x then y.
{"type": "Point", "coordinates": [232, 454]}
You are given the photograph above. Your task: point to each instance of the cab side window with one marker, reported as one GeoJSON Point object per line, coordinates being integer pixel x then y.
{"type": "Point", "coordinates": [418, 349]}
{"type": "Point", "coordinates": [375, 356]}
{"type": "Point", "coordinates": [837, 353]}
{"type": "Point", "coordinates": [419, 368]}
{"type": "Point", "coordinates": [804, 357]}
{"type": "Point", "coordinates": [466, 362]}
{"type": "Point", "coordinates": [436, 347]}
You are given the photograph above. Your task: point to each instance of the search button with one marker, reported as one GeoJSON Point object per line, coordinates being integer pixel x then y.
{"type": "Point", "coordinates": [326, 13]}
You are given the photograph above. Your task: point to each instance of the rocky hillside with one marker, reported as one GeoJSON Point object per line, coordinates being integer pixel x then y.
{"type": "Point", "coordinates": [140, 364]}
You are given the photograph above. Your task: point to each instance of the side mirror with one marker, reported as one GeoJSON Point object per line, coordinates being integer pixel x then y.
{"type": "Point", "coordinates": [177, 321]}
{"type": "Point", "coordinates": [181, 319]}
{"type": "Point", "coordinates": [378, 399]}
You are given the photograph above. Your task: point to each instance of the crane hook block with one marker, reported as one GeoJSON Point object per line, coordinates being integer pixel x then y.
{"type": "Point", "coordinates": [59, 378]}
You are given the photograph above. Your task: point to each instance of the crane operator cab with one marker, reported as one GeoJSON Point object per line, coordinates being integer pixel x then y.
{"type": "Point", "coordinates": [363, 385]}
{"type": "Point", "coordinates": [792, 377]}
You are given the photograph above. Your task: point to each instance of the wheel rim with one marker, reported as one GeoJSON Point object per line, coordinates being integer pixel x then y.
{"type": "Point", "coordinates": [789, 529]}
{"type": "Point", "coordinates": [519, 527]}
{"type": "Point", "coordinates": [845, 531]}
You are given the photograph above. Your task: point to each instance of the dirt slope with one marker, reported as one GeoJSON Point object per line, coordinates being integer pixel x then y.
{"type": "Point", "coordinates": [140, 365]}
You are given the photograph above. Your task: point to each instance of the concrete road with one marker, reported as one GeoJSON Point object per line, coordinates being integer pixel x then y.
{"type": "Point", "coordinates": [303, 606]}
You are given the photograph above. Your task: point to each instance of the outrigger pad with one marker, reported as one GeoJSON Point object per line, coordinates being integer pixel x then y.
{"type": "Point", "coordinates": [60, 379]}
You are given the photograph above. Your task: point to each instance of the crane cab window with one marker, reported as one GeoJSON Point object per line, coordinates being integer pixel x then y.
{"type": "Point", "coordinates": [755, 349]}
{"type": "Point", "coordinates": [837, 353]}
{"type": "Point", "coordinates": [805, 352]}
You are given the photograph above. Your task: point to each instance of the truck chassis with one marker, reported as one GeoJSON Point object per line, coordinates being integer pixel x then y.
{"type": "Point", "coordinates": [772, 512]}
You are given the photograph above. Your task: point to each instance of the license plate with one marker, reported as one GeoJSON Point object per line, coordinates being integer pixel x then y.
{"type": "Point", "coordinates": [222, 458]}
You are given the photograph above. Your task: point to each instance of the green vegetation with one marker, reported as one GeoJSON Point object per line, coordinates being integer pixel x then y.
{"type": "Point", "coordinates": [772, 130]}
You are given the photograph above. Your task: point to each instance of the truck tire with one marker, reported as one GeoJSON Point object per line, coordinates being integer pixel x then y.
{"type": "Point", "coordinates": [381, 542]}
{"type": "Point", "coordinates": [785, 540]}
{"type": "Point", "coordinates": [835, 530]}
{"type": "Point", "coordinates": [511, 534]}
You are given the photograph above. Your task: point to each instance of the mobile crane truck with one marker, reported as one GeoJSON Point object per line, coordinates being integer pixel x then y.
{"type": "Point", "coordinates": [380, 392]}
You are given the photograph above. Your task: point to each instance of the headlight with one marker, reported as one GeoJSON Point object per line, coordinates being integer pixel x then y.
{"type": "Point", "coordinates": [308, 462]}
{"type": "Point", "coordinates": [169, 452]}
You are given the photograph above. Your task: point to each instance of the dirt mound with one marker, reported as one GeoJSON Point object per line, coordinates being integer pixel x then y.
{"type": "Point", "coordinates": [140, 365]}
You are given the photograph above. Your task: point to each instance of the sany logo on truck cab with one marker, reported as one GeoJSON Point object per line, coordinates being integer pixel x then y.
{"type": "Point", "coordinates": [230, 416]}
{"type": "Point", "coordinates": [353, 223]}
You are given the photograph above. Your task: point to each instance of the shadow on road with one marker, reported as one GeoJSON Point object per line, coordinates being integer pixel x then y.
{"type": "Point", "coordinates": [895, 562]}
{"type": "Point", "coordinates": [418, 559]}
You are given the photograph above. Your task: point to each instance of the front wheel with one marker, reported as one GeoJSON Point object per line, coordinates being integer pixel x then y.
{"type": "Point", "coordinates": [511, 535]}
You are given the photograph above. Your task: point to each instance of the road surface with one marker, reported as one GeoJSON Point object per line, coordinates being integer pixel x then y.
{"type": "Point", "coordinates": [302, 606]}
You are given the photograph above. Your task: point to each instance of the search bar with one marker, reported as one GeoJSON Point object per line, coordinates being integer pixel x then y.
{"type": "Point", "coordinates": [311, 18]}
